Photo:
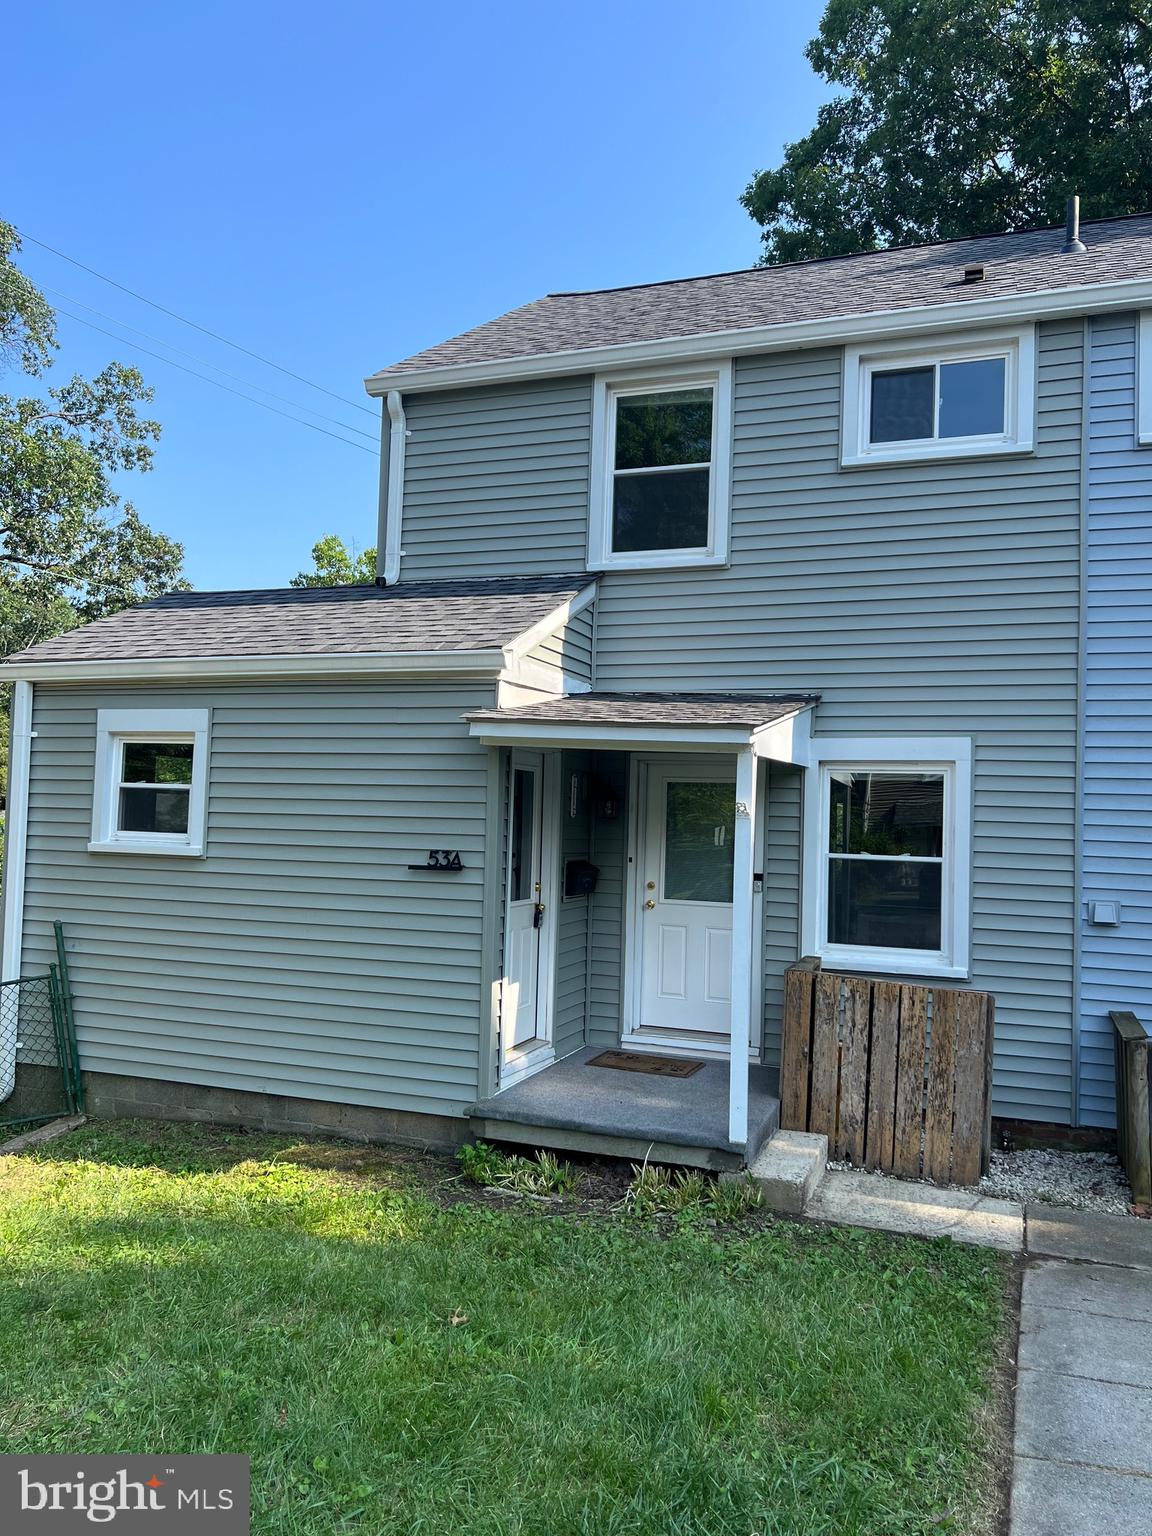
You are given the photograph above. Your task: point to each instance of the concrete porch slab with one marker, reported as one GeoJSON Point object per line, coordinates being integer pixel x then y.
{"type": "Point", "coordinates": [571, 1105]}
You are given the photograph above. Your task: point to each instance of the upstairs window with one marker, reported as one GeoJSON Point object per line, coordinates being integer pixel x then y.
{"type": "Point", "coordinates": [953, 401]}
{"type": "Point", "coordinates": [660, 481]}
{"type": "Point", "coordinates": [151, 780]}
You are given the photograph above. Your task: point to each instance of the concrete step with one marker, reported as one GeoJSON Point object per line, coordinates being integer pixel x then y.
{"type": "Point", "coordinates": [789, 1168]}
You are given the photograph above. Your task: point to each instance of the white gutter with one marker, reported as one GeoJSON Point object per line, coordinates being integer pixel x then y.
{"type": "Point", "coordinates": [15, 851]}
{"type": "Point", "coordinates": [1044, 304]}
{"type": "Point", "coordinates": [392, 512]}
{"type": "Point", "coordinates": [484, 663]}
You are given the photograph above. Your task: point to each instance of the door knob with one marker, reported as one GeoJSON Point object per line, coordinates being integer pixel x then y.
{"type": "Point", "coordinates": [649, 905]}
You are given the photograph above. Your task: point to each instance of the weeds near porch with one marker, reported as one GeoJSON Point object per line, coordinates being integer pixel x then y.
{"type": "Point", "coordinates": [542, 1175]}
{"type": "Point", "coordinates": [682, 1192]}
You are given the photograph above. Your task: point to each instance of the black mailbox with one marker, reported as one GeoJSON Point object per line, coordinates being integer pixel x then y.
{"type": "Point", "coordinates": [579, 877]}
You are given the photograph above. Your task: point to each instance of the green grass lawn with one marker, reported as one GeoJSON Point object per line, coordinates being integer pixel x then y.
{"type": "Point", "coordinates": [396, 1359]}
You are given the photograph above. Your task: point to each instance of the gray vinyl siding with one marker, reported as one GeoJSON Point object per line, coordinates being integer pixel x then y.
{"type": "Point", "coordinates": [918, 599]}
{"type": "Point", "coordinates": [781, 896]}
{"type": "Point", "coordinates": [610, 855]}
{"type": "Point", "coordinates": [496, 480]}
{"type": "Point", "coordinates": [1116, 963]}
{"type": "Point", "coordinates": [300, 956]}
{"type": "Point", "coordinates": [572, 923]}
{"type": "Point", "coordinates": [569, 650]}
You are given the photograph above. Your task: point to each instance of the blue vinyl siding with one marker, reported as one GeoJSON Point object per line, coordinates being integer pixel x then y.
{"type": "Point", "coordinates": [1116, 962]}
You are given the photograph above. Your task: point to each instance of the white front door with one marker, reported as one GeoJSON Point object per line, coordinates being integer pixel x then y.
{"type": "Point", "coordinates": [684, 891]}
{"type": "Point", "coordinates": [523, 1010]}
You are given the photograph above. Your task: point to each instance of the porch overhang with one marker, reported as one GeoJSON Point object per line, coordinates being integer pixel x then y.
{"type": "Point", "coordinates": [772, 726]}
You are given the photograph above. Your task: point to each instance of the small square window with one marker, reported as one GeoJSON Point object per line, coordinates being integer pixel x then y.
{"type": "Point", "coordinates": [660, 485]}
{"type": "Point", "coordinates": [151, 770]}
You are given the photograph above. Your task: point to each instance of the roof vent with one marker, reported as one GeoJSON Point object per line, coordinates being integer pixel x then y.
{"type": "Point", "coordinates": [974, 274]}
{"type": "Point", "coordinates": [1073, 245]}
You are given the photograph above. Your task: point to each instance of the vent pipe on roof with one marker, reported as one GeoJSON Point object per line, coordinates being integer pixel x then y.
{"type": "Point", "coordinates": [1073, 245]}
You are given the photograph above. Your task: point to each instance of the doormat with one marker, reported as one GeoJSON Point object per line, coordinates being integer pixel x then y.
{"type": "Point", "coordinates": [655, 1066]}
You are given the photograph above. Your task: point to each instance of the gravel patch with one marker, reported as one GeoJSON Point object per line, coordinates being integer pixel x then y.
{"type": "Point", "coordinates": [1081, 1181]}
{"type": "Point", "coordinates": [1084, 1181]}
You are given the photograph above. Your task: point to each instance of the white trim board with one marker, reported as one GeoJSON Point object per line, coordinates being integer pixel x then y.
{"type": "Point", "coordinates": [916, 320]}
{"type": "Point", "coordinates": [782, 740]}
{"type": "Point", "coordinates": [485, 663]}
{"type": "Point", "coordinates": [550, 624]}
{"type": "Point", "coordinates": [16, 830]}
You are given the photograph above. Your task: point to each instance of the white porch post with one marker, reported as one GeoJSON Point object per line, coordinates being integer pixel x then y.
{"type": "Point", "coordinates": [743, 944]}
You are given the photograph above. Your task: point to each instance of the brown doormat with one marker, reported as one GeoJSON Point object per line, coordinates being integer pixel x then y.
{"type": "Point", "coordinates": [655, 1066]}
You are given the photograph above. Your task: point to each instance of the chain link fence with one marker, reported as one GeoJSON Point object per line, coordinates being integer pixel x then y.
{"type": "Point", "coordinates": [39, 1066]}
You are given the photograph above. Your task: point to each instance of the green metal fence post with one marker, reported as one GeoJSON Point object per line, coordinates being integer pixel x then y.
{"type": "Point", "coordinates": [65, 984]}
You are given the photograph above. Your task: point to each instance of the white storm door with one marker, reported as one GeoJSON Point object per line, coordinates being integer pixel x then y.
{"type": "Point", "coordinates": [525, 911]}
{"type": "Point", "coordinates": [685, 899]}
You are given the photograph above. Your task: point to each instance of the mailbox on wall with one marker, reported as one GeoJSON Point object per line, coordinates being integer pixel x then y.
{"type": "Point", "coordinates": [579, 878]}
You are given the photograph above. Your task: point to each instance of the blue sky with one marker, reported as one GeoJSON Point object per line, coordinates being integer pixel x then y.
{"type": "Point", "coordinates": [335, 187]}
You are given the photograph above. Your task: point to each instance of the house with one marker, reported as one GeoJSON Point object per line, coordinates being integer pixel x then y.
{"type": "Point", "coordinates": [795, 611]}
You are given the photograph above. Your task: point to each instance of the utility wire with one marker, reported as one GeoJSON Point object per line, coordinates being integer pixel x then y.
{"type": "Point", "coordinates": [372, 437]}
{"type": "Point", "coordinates": [136, 347]}
{"type": "Point", "coordinates": [268, 363]}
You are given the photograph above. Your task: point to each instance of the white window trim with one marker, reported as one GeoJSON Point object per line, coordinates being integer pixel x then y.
{"type": "Point", "coordinates": [113, 728]}
{"type": "Point", "coordinates": [1017, 346]}
{"type": "Point", "coordinates": [718, 377]}
{"type": "Point", "coordinates": [1144, 380]}
{"type": "Point", "coordinates": [953, 756]}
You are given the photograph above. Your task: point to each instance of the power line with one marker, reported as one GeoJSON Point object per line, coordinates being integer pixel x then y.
{"type": "Point", "coordinates": [183, 319]}
{"type": "Point", "coordinates": [136, 347]}
{"type": "Point", "coordinates": [207, 363]}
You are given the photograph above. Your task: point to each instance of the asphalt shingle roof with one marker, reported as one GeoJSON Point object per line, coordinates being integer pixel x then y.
{"type": "Point", "coordinates": [900, 278]}
{"type": "Point", "coordinates": [701, 709]}
{"type": "Point", "coordinates": [412, 616]}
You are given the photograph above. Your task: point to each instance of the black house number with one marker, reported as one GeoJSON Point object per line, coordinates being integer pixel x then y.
{"type": "Point", "coordinates": [440, 858]}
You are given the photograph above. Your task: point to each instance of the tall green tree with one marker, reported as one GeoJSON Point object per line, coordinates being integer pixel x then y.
{"type": "Point", "coordinates": [960, 117]}
{"type": "Point", "coordinates": [335, 565]}
{"type": "Point", "coordinates": [69, 549]}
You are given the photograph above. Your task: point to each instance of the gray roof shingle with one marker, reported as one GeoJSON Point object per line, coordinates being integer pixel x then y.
{"type": "Point", "coordinates": [413, 616]}
{"type": "Point", "coordinates": [691, 709]}
{"type": "Point", "coordinates": [900, 278]}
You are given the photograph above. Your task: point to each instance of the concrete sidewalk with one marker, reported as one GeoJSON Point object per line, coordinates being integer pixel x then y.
{"type": "Point", "coordinates": [1082, 1456]}
{"type": "Point", "coordinates": [1083, 1451]}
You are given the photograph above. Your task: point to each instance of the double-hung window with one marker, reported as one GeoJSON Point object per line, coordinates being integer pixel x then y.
{"type": "Point", "coordinates": [661, 446]}
{"type": "Point", "coordinates": [151, 781]}
{"type": "Point", "coordinates": [955, 399]}
{"type": "Point", "coordinates": [886, 855]}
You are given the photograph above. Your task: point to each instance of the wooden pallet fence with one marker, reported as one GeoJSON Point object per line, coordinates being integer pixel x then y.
{"type": "Point", "coordinates": [1134, 1102]}
{"type": "Point", "coordinates": [898, 1077]}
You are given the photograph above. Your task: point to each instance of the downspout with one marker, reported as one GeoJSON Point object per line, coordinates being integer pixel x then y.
{"type": "Point", "coordinates": [391, 517]}
{"type": "Point", "coordinates": [15, 849]}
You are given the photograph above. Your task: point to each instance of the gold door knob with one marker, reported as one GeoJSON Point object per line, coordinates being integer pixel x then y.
{"type": "Point", "coordinates": [649, 905]}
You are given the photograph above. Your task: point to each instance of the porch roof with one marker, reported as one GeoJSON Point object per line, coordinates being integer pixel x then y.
{"type": "Point", "coordinates": [717, 721]}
